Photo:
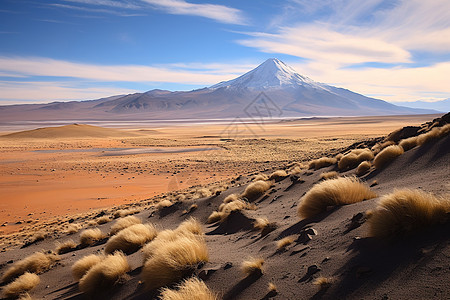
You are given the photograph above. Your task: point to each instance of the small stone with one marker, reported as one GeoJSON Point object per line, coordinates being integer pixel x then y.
{"type": "Point", "coordinates": [227, 265]}
{"type": "Point", "coordinates": [311, 231]}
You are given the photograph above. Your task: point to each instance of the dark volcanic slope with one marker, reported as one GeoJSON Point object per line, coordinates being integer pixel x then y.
{"type": "Point", "coordinates": [358, 266]}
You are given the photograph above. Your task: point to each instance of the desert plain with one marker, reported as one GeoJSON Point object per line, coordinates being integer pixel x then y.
{"type": "Point", "coordinates": [58, 181]}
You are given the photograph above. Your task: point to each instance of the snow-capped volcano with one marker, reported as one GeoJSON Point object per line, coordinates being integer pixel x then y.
{"type": "Point", "coordinates": [273, 73]}
{"type": "Point", "coordinates": [294, 95]}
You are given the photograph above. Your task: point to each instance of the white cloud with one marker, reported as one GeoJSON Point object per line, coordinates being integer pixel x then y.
{"type": "Point", "coordinates": [395, 84]}
{"type": "Point", "coordinates": [19, 66]}
{"type": "Point", "coordinates": [43, 92]}
{"type": "Point", "coordinates": [219, 13]}
{"type": "Point", "coordinates": [100, 76]}
{"type": "Point", "coordinates": [349, 33]}
{"type": "Point", "coordinates": [216, 12]}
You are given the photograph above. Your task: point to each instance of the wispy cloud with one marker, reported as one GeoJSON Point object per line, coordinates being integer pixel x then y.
{"type": "Point", "coordinates": [46, 91]}
{"type": "Point", "coordinates": [216, 12]}
{"type": "Point", "coordinates": [219, 13]}
{"type": "Point", "coordinates": [96, 10]}
{"type": "Point", "coordinates": [335, 39]}
{"type": "Point", "coordinates": [125, 73]}
{"type": "Point", "coordinates": [79, 81]}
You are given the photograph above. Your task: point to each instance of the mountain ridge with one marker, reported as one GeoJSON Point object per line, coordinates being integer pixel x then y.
{"type": "Point", "coordinates": [293, 94]}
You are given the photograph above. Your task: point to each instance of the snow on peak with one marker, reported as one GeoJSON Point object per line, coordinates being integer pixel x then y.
{"type": "Point", "coordinates": [273, 73]}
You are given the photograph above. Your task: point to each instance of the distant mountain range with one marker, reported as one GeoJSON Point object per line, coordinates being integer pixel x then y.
{"type": "Point", "coordinates": [273, 89]}
{"type": "Point", "coordinates": [442, 105]}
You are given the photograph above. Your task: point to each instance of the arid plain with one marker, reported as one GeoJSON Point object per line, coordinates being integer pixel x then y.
{"type": "Point", "coordinates": [282, 209]}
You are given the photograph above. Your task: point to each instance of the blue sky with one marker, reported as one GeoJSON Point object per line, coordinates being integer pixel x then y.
{"type": "Point", "coordinates": [86, 49]}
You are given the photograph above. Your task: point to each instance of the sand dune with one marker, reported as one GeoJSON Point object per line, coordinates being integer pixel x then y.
{"type": "Point", "coordinates": [69, 131]}
{"type": "Point", "coordinates": [332, 255]}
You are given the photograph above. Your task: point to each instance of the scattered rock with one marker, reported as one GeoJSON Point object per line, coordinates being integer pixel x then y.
{"type": "Point", "coordinates": [227, 265]}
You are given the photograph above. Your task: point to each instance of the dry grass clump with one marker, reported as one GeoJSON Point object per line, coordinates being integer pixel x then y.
{"type": "Point", "coordinates": [278, 175]}
{"type": "Point", "coordinates": [354, 158]}
{"type": "Point", "coordinates": [191, 225]}
{"type": "Point", "coordinates": [202, 193]}
{"type": "Point", "coordinates": [261, 176]}
{"type": "Point", "coordinates": [36, 263]}
{"type": "Point", "coordinates": [363, 168]}
{"type": "Point", "coordinates": [172, 260]}
{"type": "Point", "coordinates": [256, 189]}
{"type": "Point", "coordinates": [226, 208]}
{"type": "Point", "coordinates": [329, 175]}
{"type": "Point", "coordinates": [65, 247]}
{"type": "Point", "coordinates": [187, 228]}
{"type": "Point", "coordinates": [21, 285]}
{"type": "Point", "coordinates": [323, 282]}
{"type": "Point", "coordinates": [407, 211]}
{"type": "Point", "coordinates": [83, 265]}
{"type": "Point", "coordinates": [90, 236]}
{"type": "Point", "coordinates": [130, 239]}
{"type": "Point", "coordinates": [322, 162]}
{"type": "Point", "coordinates": [409, 143]}
{"type": "Point", "coordinates": [73, 228]}
{"type": "Point", "coordinates": [192, 289]}
{"type": "Point", "coordinates": [284, 242]}
{"type": "Point", "coordinates": [103, 220]}
{"type": "Point", "coordinates": [433, 134]}
{"type": "Point", "coordinates": [387, 155]}
{"type": "Point", "coordinates": [231, 198]}
{"type": "Point", "coordinates": [105, 273]}
{"type": "Point", "coordinates": [164, 204]}
{"type": "Point", "coordinates": [125, 212]}
{"type": "Point", "coordinates": [339, 191]}
{"type": "Point", "coordinates": [124, 223]}
{"type": "Point", "coordinates": [261, 223]}
{"type": "Point", "coordinates": [252, 266]}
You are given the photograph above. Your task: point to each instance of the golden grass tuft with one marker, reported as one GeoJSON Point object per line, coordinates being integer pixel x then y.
{"type": "Point", "coordinates": [89, 236]}
{"type": "Point", "coordinates": [191, 225]}
{"type": "Point", "coordinates": [261, 176]}
{"type": "Point", "coordinates": [225, 209]}
{"type": "Point", "coordinates": [387, 155]}
{"type": "Point", "coordinates": [278, 175]}
{"type": "Point", "coordinates": [323, 282]}
{"type": "Point", "coordinates": [256, 189]}
{"type": "Point", "coordinates": [354, 158]}
{"type": "Point", "coordinates": [125, 212]}
{"type": "Point", "coordinates": [261, 223]}
{"type": "Point", "coordinates": [73, 228]}
{"type": "Point", "coordinates": [409, 143]}
{"type": "Point", "coordinates": [35, 263]}
{"type": "Point", "coordinates": [172, 260]}
{"type": "Point", "coordinates": [405, 212]}
{"type": "Point", "coordinates": [190, 289]}
{"type": "Point", "coordinates": [65, 247]}
{"type": "Point", "coordinates": [363, 168]}
{"type": "Point", "coordinates": [130, 239]}
{"type": "Point", "coordinates": [21, 285]}
{"type": "Point", "coordinates": [433, 134]}
{"type": "Point", "coordinates": [329, 175]}
{"type": "Point", "coordinates": [124, 223]}
{"type": "Point", "coordinates": [284, 242]}
{"type": "Point", "coordinates": [202, 193]}
{"type": "Point", "coordinates": [83, 265]}
{"type": "Point", "coordinates": [271, 288]}
{"type": "Point", "coordinates": [231, 198]}
{"type": "Point", "coordinates": [252, 266]}
{"type": "Point", "coordinates": [164, 204]}
{"type": "Point", "coordinates": [322, 162]}
{"type": "Point", "coordinates": [339, 191]}
{"type": "Point", "coordinates": [103, 220]}
{"type": "Point", "coordinates": [105, 273]}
